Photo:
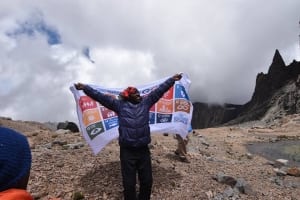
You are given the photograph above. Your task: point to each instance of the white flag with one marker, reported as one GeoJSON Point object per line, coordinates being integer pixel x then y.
{"type": "Point", "coordinates": [171, 114]}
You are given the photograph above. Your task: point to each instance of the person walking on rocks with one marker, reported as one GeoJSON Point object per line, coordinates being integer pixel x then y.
{"type": "Point", "coordinates": [15, 165]}
{"type": "Point", "coordinates": [134, 133]}
{"type": "Point", "coordinates": [181, 148]}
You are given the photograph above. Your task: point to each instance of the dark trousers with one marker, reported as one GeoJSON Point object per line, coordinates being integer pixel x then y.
{"type": "Point", "coordinates": [136, 161]}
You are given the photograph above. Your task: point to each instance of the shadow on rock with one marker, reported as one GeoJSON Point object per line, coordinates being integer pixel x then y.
{"type": "Point", "coordinates": [174, 157]}
{"type": "Point", "coordinates": [105, 181]}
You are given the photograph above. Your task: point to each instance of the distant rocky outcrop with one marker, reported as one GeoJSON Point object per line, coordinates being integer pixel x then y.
{"type": "Point", "coordinates": [209, 115]}
{"type": "Point", "coordinates": [276, 94]}
{"type": "Point", "coordinates": [68, 126]}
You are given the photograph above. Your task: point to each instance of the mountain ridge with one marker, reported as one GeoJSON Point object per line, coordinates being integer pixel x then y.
{"type": "Point", "coordinates": [277, 90]}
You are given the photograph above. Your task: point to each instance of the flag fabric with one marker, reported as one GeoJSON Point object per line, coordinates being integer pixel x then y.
{"type": "Point", "coordinates": [171, 114]}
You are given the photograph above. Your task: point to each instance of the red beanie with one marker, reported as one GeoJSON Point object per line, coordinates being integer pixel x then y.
{"type": "Point", "coordinates": [128, 91]}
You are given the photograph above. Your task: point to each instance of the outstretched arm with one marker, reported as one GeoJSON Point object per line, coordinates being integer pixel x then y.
{"type": "Point", "coordinates": [103, 99]}
{"type": "Point", "coordinates": [156, 94]}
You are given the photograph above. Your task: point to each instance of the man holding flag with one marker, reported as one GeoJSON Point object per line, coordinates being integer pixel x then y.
{"type": "Point", "coordinates": [134, 133]}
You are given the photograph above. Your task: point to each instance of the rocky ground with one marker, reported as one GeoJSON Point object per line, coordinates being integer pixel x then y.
{"type": "Point", "coordinates": [220, 166]}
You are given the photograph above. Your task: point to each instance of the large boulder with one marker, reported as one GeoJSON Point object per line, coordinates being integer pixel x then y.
{"type": "Point", "coordinates": [68, 126]}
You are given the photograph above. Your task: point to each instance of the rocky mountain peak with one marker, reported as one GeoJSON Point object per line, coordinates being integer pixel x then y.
{"type": "Point", "coordinates": [276, 93]}
{"type": "Point", "coordinates": [277, 63]}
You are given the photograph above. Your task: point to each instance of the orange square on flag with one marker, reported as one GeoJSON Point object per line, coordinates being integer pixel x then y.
{"type": "Point", "coordinates": [182, 105]}
{"type": "Point", "coordinates": [164, 106]}
{"type": "Point", "coordinates": [91, 116]}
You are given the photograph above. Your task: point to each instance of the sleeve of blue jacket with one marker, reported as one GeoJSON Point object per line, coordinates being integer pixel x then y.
{"type": "Point", "coordinates": [106, 100]}
{"type": "Point", "coordinates": [156, 94]}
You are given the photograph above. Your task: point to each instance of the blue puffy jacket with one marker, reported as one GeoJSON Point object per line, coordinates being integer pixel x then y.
{"type": "Point", "coordinates": [134, 129]}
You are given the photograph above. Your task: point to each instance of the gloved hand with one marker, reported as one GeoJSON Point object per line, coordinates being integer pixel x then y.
{"type": "Point", "coordinates": [177, 77]}
{"type": "Point", "coordinates": [79, 86]}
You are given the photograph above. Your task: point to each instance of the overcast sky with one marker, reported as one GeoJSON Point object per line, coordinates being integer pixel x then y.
{"type": "Point", "coordinates": [46, 46]}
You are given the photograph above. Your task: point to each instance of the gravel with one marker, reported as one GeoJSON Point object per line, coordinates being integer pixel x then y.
{"type": "Point", "coordinates": [216, 155]}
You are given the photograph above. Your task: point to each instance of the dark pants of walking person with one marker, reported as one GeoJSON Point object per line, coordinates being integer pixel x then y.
{"type": "Point", "coordinates": [136, 161]}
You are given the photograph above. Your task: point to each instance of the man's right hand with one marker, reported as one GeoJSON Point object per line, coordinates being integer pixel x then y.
{"type": "Point", "coordinates": [79, 86]}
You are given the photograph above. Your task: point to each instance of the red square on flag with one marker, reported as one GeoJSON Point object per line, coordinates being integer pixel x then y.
{"type": "Point", "coordinates": [86, 103]}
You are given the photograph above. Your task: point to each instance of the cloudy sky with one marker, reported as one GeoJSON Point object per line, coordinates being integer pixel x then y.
{"type": "Point", "coordinates": [46, 46]}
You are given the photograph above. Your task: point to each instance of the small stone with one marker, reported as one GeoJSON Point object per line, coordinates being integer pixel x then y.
{"type": "Point", "coordinates": [281, 162]}
{"type": "Point", "coordinates": [279, 172]}
{"type": "Point", "coordinates": [249, 156]}
{"type": "Point", "coordinates": [293, 171]}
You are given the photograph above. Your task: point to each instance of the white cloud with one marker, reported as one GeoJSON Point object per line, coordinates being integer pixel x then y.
{"type": "Point", "coordinates": [221, 45]}
{"type": "Point", "coordinates": [120, 67]}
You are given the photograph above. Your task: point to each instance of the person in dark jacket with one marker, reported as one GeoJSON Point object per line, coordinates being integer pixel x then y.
{"type": "Point", "coordinates": [134, 133]}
